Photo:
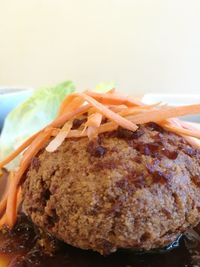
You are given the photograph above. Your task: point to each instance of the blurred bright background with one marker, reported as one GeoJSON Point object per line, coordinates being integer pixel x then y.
{"type": "Point", "coordinates": [142, 45]}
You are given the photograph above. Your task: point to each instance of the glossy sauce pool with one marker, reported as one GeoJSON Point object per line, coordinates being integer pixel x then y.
{"type": "Point", "coordinates": [18, 249]}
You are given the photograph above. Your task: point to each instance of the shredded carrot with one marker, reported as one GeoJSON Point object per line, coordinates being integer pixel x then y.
{"type": "Point", "coordinates": [76, 134]}
{"type": "Point", "coordinates": [194, 142]}
{"type": "Point", "coordinates": [110, 114]}
{"type": "Point", "coordinates": [32, 150]}
{"type": "Point", "coordinates": [19, 197]}
{"type": "Point", "coordinates": [118, 108]}
{"type": "Point", "coordinates": [58, 122]}
{"type": "Point", "coordinates": [165, 113]}
{"type": "Point", "coordinates": [3, 220]}
{"type": "Point", "coordinates": [68, 99]}
{"type": "Point", "coordinates": [92, 132]}
{"type": "Point", "coordinates": [92, 125]}
{"type": "Point", "coordinates": [13, 204]}
{"type": "Point", "coordinates": [58, 140]}
{"type": "Point", "coordinates": [114, 108]}
{"type": "Point", "coordinates": [11, 208]}
{"type": "Point", "coordinates": [113, 99]}
{"type": "Point", "coordinates": [28, 155]}
{"type": "Point", "coordinates": [108, 127]}
{"type": "Point", "coordinates": [3, 201]}
{"type": "Point", "coordinates": [76, 102]}
{"type": "Point", "coordinates": [128, 110]}
{"type": "Point", "coordinates": [132, 111]}
{"type": "Point", "coordinates": [180, 130]}
{"type": "Point", "coordinates": [15, 153]}
{"type": "Point", "coordinates": [94, 120]}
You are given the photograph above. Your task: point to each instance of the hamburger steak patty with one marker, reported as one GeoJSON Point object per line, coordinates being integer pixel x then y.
{"type": "Point", "coordinates": [125, 190]}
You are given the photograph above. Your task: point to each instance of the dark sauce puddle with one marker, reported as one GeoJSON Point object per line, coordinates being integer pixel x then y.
{"type": "Point", "coordinates": [19, 249]}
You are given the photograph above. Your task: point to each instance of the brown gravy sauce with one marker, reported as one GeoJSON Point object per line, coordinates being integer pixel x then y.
{"type": "Point", "coordinates": [18, 249]}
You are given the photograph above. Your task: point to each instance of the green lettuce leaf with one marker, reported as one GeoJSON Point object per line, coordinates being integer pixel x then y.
{"type": "Point", "coordinates": [104, 87]}
{"type": "Point", "coordinates": [31, 116]}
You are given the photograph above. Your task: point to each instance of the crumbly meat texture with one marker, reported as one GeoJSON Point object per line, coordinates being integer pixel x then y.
{"type": "Point", "coordinates": [125, 190]}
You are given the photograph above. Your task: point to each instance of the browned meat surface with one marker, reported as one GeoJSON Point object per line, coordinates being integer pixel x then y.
{"type": "Point", "coordinates": [126, 190]}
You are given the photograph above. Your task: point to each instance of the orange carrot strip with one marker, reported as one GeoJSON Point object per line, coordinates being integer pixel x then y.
{"type": "Point", "coordinates": [92, 132]}
{"type": "Point", "coordinates": [118, 108]}
{"type": "Point", "coordinates": [132, 111]}
{"type": "Point", "coordinates": [3, 201]}
{"type": "Point", "coordinates": [33, 149]}
{"type": "Point", "coordinates": [19, 197]}
{"type": "Point", "coordinates": [108, 127]}
{"type": "Point", "coordinates": [165, 113]}
{"type": "Point", "coordinates": [58, 140]}
{"type": "Point", "coordinates": [10, 216]}
{"type": "Point", "coordinates": [11, 208]}
{"type": "Point", "coordinates": [67, 100]}
{"type": "Point", "coordinates": [3, 221]}
{"type": "Point", "coordinates": [113, 99]}
{"type": "Point", "coordinates": [76, 134]}
{"type": "Point", "coordinates": [21, 148]}
{"type": "Point", "coordinates": [194, 142]}
{"type": "Point", "coordinates": [75, 103]}
{"type": "Point", "coordinates": [184, 125]}
{"type": "Point", "coordinates": [114, 108]}
{"type": "Point", "coordinates": [110, 114]}
{"type": "Point", "coordinates": [180, 130]}
{"type": "Point", "coordinates": [58, 122]}
{"type": "Point", "coordinates": [72, 133]}
{"type": "Point", "coordinates": [94, 120]}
